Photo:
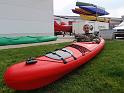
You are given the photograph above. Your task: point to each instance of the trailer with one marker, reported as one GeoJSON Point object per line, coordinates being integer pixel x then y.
{"type": "Point", "coordinates": [77, 26]}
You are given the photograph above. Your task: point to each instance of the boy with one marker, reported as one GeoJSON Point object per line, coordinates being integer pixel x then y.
{"type": "Point", "coordinates": [87, 37]}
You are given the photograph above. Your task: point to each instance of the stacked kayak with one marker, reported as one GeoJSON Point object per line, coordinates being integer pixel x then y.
{"type": "Point", "coordinates": [83, 4]}
{"type": "Point", "coordinates": [90, 12]}
{"type": "Point", "coordinates": [93, 18]}
{"type": "Point", "coordinates": [94, 10]}
{"type": "Point", "coordinates": [87, 4]}
{"type": "Point", "coordinates": [87, 17]}
{"type": "Point", "coordinates": [81, 11]}
{"type": "Point", "coordinates": [25, 40]}
{"type": "Point", "coordinates": [39, 72]}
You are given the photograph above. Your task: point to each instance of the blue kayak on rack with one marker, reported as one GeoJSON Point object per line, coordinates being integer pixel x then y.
{"type": "Point", "coordinates": [94, 10]}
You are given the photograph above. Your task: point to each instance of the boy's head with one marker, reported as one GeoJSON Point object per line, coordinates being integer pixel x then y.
{"type": "Point", "coordinates": [86, 28]}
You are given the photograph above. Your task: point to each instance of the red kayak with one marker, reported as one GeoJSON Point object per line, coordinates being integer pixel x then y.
{"type": "Point", "coordinates": [39, 72]}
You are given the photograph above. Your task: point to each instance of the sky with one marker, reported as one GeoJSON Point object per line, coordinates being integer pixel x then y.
{"type": "Point", "coordinates": [114, 7]}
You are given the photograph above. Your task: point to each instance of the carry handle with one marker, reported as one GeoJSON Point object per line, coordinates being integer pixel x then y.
{"type": "Point", "coordinates": [31, 60]}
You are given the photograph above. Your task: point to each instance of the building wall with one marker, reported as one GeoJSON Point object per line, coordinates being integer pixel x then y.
{"type": "Point", "coordinates": [26, 17]}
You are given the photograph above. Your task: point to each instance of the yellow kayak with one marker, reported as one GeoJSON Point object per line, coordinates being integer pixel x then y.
{"type": "Point", "coordinates": [94, 18]}
{"type": "Point", "coordinates": [87, 17]}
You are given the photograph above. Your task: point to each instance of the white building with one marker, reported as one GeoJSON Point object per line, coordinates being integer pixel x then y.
{"type": "Point", "coordinates": [26, 17]}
